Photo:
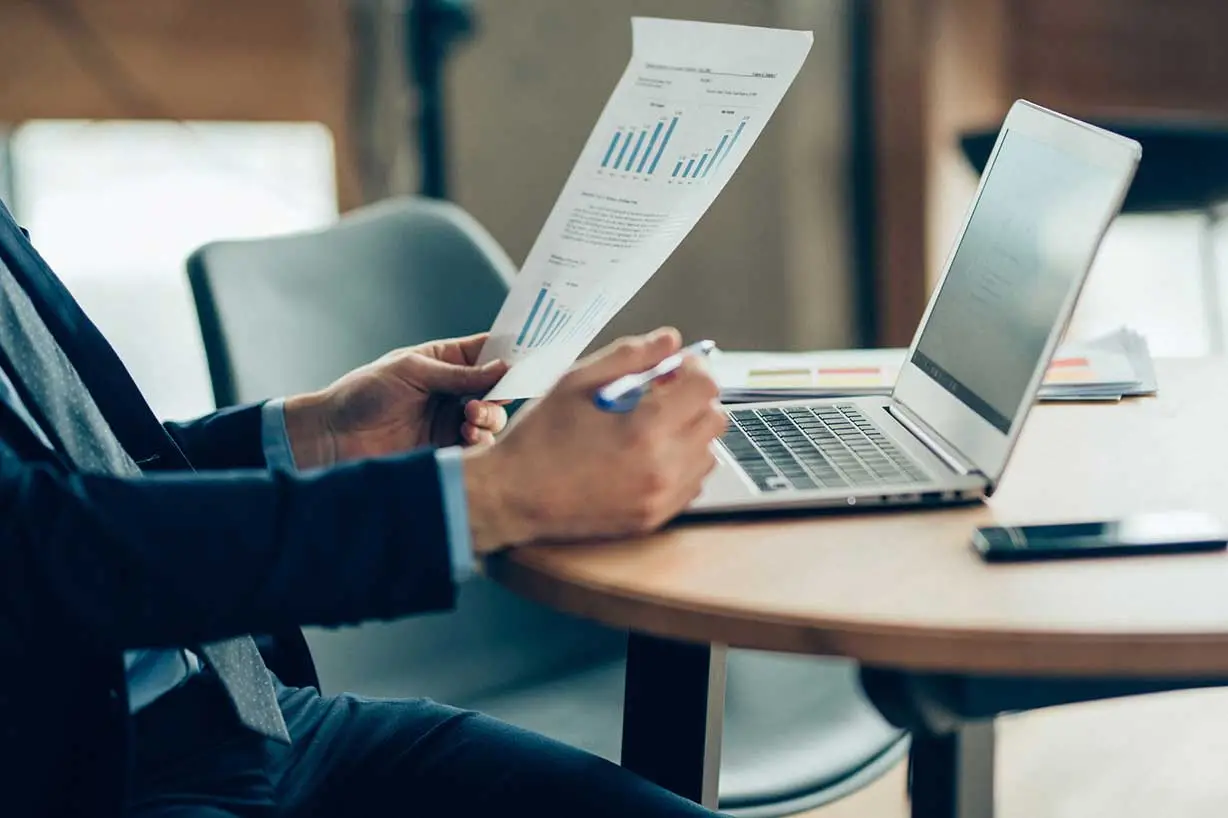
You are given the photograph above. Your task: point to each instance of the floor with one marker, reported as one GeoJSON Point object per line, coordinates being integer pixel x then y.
{"type": "Point", "coordinates": [1152, 756]}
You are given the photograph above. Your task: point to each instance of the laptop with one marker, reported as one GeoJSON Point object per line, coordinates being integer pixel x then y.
{"type": "Point", "coordinates": [944, 435]}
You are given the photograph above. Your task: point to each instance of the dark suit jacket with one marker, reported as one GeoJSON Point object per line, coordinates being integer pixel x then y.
{"type": "Point", "coordinates": [207, 545]}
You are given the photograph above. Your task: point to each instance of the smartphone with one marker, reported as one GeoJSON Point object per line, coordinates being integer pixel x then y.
{"type": "Point", "coordinates": [1163, 533]}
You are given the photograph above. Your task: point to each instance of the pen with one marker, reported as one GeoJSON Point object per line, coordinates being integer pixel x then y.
{"type": "Point", "coordinates": [624, 394]}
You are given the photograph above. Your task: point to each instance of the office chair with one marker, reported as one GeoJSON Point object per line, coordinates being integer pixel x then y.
{"type": "Point", "coordinates": [291, 313]}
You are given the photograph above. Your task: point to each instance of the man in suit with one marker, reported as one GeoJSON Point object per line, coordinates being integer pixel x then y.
{"type": "Point", "coordinates": [136, 558]}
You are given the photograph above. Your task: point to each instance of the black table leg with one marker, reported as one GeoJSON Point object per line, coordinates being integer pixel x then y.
{"type": "Point", "coordinates": [951, 774]}
{"type": "Point", "coordinates": [673, 714]}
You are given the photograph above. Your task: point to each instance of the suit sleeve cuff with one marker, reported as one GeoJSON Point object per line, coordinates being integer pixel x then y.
{"type": "Point", "coordinates": [456, 512]}
{"type": "Point", "coordinates": [273, 435]}
{"type": "Point", "coordinates": [280, 457]}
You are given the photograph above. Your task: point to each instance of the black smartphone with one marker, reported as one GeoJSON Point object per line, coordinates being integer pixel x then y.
{"type": "Point", "coordinates": [1163, 533]}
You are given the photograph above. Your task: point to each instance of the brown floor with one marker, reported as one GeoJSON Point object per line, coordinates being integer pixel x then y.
{"type": "Point", "coordinates": [1147, 757]}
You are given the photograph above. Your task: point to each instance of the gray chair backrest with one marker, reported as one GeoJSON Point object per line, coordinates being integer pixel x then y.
{"type": "Point", "coordinates": [290, 314]}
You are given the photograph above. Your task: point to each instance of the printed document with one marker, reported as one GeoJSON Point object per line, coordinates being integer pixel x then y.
{"type": "Point", "coordinates": [690, 105]}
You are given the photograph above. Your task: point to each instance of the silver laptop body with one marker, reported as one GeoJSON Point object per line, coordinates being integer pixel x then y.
{"type": "Point", "coordinates": [1048, 194]}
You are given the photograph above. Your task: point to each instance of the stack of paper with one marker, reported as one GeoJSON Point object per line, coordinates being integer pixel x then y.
{"type": "Point", "coordinates": [1106, 368]}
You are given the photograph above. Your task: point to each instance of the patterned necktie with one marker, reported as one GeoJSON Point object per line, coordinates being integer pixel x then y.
{"type": "Point", "coordinates": [56, 389]}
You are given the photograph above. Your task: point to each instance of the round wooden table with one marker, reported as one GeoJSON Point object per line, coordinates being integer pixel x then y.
{"type": "Point", "coordinates": [903, 590]}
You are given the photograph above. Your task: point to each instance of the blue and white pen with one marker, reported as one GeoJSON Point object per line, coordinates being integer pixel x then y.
{"type": "Point", "coordinates": [624, 394]}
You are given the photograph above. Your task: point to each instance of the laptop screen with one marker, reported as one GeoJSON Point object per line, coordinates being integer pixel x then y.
{"type": "Point", "coordinates": [1040, 212]}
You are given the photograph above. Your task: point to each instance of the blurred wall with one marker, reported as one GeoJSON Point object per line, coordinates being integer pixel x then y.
{"type": "Point", "coordinates": [768, 266]}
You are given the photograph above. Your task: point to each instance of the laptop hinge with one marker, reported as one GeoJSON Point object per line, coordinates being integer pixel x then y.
{"type": "Point", "coordinates": [931, 440]}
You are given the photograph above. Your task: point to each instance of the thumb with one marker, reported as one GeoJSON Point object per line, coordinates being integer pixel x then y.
{"type": "Point", "coordinates": [626, 357]}
{"type": "Point", "coordinates": [455, 379]}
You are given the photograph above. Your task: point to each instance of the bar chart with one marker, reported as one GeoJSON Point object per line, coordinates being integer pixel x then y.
{"type": "Point", "coordinates": [550, 321]}
{"type": "Point", "coordinates": [638, 149]}
{"type": "Point", "coordinates": [592, 318]}
{"type": "Point", "coordinates": [699, 164]}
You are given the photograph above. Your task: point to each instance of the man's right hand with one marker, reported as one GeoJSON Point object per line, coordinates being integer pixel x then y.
{"type": "Point", "coordinates": [566, 470]}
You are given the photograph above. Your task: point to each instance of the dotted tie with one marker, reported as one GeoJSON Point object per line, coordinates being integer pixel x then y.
{"type": "Point", "coordinates": [55, 387]}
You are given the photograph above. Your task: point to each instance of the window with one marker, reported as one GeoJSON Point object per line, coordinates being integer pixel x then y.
{"type": "Point", "coordinates": [116, 208]}
{"type": "Point", "coordinates": [1148, 276]}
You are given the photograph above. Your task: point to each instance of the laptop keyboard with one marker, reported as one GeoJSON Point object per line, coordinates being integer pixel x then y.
{"type": "Point", "coordinates": [829, 446]}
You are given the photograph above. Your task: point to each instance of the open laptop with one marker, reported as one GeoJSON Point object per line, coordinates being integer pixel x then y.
{"type": "Point", "coordinates": [1051, 188]}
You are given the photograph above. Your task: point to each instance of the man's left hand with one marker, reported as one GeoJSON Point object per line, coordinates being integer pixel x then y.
{"type": "Point", "coordinates": [412, 397]}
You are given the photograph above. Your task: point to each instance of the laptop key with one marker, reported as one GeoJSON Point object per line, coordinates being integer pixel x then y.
{"type": "Point", "coordinates": [816, 447]}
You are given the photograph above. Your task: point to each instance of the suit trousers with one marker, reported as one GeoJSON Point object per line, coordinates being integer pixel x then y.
{"type": "Point", "coordinates": [357, 757]}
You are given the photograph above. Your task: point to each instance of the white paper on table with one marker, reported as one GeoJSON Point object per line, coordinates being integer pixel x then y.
{"type": "Point", "coordinates": [1079, 370]}
{"type": "Point", "coordinates": [691, 103]}
{"type": "Point", "coordinates": [844, 372]}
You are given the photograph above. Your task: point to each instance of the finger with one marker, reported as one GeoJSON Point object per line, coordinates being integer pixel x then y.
{"type": "Point", "coordinates": [694, 472]}
{"type": "Point", "coordinates": [452, 379]}
{"type": "Point", "coordinates": [470, 347]}
{"type": "Point", "coordinates": [473, 436]}
{"type": "Point", "coordinates": [463, 351]}
{"type": "Point", "coordinates": [699, 433]}
{"type": "Point", "coordinates": [693, 486]}
{"type": "Point", "coordinates": [624, 357]}
{"type": "Point", "coordinates": [689, 393]}
{"type": "Point", "coordinates": [486, 415]}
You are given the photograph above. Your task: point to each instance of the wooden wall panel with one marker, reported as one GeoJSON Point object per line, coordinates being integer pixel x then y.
{"type": "Point", "coordinates": [900, 114]}
{"type": "Point", "coordinates": [178, 59]}
{"type": "Point", "coordinates": [1122, 57]}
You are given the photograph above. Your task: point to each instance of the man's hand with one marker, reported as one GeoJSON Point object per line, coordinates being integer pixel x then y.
{"type": "Point", "coordinates": [566, 470]}
{"type": "Point", "coordinates": [409, 398]}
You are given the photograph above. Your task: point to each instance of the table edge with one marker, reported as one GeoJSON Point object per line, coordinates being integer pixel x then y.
{"type": "Point", "coordinates": [925, 649]}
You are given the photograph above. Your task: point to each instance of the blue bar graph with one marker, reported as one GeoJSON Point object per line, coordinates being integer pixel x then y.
{"type": "Point", "coordinates": [717, 155]}
{"type": "Point", "coordinates": [587, 317]}
{"type": "Point", "coordinates": [668, 133]}
{"type": "Point", "coordinates": [702, 161]}
{"type": "Point", "coordinates": [546, 317]}
{"type": "Point", "coordinates": [554, 322]}
{"type": "Point", "coordinates": [686, 174]}
{"type": "Point", "coordinates": [558, 329]}
{"type": "Point", "coordinates": [677, 169]}
{"type": "Point", "coordinates": [651, 142]}
{"type": "Point", "coordinates": [737, 134]}
{"type": "Point", "coordinates": [623, 152]}
{"type": "Point", "coordinates": [639, 143]}
{"type": "Point", "coordinates": [541, 296]}
{"type": "Point", "coordinates": [610, 151]}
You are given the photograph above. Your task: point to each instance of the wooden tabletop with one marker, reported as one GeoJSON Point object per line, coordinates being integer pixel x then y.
{"type": "Point", "coordinates": [904, 589]}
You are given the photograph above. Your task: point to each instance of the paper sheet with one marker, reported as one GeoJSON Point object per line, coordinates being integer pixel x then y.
{"type": "Point", "coordinates": [1100, 368]}
{"type": "Point", "coordinates": [692, 102]}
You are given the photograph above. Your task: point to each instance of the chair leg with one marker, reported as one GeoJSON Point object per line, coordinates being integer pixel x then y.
{"type": "Point", "coordinates": [951, 775]}
{"type": "Point", "coordinates": [673, 715]}
{"type": "Point", "coordinates": [1213, 306]}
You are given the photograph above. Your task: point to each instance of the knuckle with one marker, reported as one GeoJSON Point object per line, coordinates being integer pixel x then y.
{"type": "Point", "coordinates": [655, 483]}
{"type": "Point", "coordinates": [651, 514]}
{"type": "Point", "coordinates": [629, 347]}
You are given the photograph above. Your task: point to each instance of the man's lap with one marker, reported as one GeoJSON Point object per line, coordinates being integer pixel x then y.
{"type": "Point", "coordinates": [357, 757]}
